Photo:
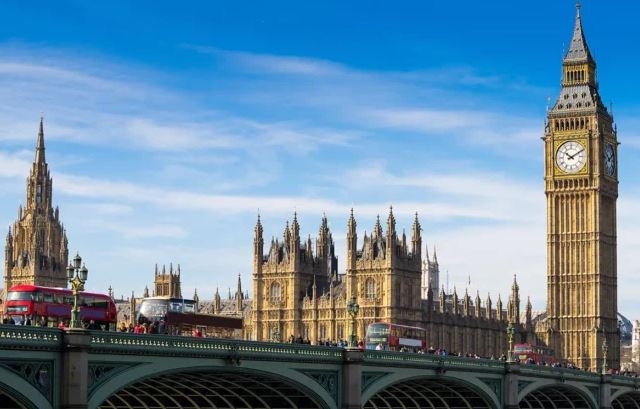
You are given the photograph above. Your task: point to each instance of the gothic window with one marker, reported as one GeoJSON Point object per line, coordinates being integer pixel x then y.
{"type": "Point", "coordinates": [305, 332]}
{"type": "Point", "coordinates": [39, 193]}
{"type": "Point", "coordinates": [370, 288]}
{"type": "Point", "coordinates": [276, 293]}
{"type": "Point", "coordinates": [323, 331]}
{"type": "Point", "coordinates": [340, 330]}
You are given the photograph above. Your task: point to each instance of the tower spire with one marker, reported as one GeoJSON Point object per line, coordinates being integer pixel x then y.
{"type": "Point", "coordinates": [40, 158]}
{"type": "Point", "coordinates": [578, 49]}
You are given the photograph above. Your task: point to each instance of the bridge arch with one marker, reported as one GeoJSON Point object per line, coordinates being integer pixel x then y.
{"type": "Point", "coordinates": [200, 382]}
{"type": "Point", "coordinates": [549, 394]}
{"type": "Point", "coordinates": [430, 391]}
{"type": "Point", "coordinates": [10, 397]}
{"type": "Point", "coordinates": [626, 400]}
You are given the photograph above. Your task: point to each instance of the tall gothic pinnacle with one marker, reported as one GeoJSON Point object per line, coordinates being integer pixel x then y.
{"type": "Point", "coordinates": [578, 50]}
{"type": "Point", "coordinates": [40, 143]}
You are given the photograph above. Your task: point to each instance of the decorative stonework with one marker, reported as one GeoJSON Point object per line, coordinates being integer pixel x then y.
{"type": "Point", "coordinates": [40, 374]}
{"type": "Point", "coordinates": [36, 246]}
{"type": "Point", "coordinates": [581, 186]}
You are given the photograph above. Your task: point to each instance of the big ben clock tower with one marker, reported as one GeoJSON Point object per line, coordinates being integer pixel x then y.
{"type": "Point", "coordinates": [581, 185]}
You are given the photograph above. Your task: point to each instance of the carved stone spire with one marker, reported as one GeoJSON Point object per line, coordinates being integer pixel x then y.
{"type": "Point", "coordinates": [38, 243]}
{"type": "Point", "coordinates": [416, 238]}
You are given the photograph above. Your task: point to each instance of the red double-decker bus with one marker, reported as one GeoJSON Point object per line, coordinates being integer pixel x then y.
{"type": "Point", "coordinates": [533, 354]}
{"type": "Point", "coordinates": [55, 305]}
{"type": "Point", "coordinates": [392, 337]}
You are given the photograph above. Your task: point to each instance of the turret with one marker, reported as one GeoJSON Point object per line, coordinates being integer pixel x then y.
{"type": "Point", "coordinates": [258, 247]}
{"type": "Point", "coordinates": [513, 308]}
{"type": "Point", "coordinates": [145, 294]}
{"type": "Point", "coordinates": [217, 302]}
{"type": "Point", "coordinates": [294, 249]}
{"type": "Point", "coordinates": [528, 313]}
{"type": "Point", "coordinates": [499, 314]}
{"type": "Point", "coordinates": [455, 301]}
{"type": "Point", "coordinates": [8, 251]}
{"type": "Point", "coordinates": [352, 241]}
{"type": "Point", "coordinates": [322, 244]}
{"type": "Point", "coordinates": [443, 300]}
{"type": "Point", "coordinates": [416, 239]}
{"type": "Point", "coordinates": [239, 296]}
{"type": "Point", "coordinates": [478, 307]}
{"type": "Point", "coordinates": [466, 304]}
{"type": "Point", "coordinates": [487, 306]}
{"type": "Point", "coordinates": [196, 300]}
{"type": "Point", "coordinates": [391, 235]}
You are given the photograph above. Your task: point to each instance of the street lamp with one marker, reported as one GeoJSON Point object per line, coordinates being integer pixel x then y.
{"type": "Point", "coordinates": [510, 332]}
{"type": "Point", "coordinates": [605, 349]}
{"type": "Point", "coordinates": [77, 277]}
{"type": "Point", "coordinates": [353, 308]}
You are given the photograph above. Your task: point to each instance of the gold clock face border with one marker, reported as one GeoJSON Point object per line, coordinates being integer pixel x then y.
{"type": "Point", "coordinates": [557, 171]}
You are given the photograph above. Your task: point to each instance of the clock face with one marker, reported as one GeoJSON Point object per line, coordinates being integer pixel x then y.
{"type": "Point", "coordinates": [609, 159]}
{"type": "Point", "coordinates": [571, 157]}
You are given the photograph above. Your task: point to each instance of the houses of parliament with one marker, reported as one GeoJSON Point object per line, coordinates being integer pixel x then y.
{"type": "Point", "coordinates": [298, 288]}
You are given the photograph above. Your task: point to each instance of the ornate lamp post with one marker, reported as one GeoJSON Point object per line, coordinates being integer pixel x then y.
{"type": "Point", "coordinates": [605, 349]}
{"type": "Point", "coordinates": [77, 277]}
{"type": "Point", "coordinates": [353, 308]}
{"type": "Point", "coordinates": [510, 333]}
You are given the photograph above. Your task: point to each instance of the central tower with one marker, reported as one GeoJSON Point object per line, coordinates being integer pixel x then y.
{"type": "Point", "coordinates": [581, 185]}
{"type": "Point", "coordinates": [36, 247]}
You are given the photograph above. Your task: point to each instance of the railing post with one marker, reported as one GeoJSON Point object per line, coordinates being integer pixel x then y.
{"type": "Point", "coordinates": [352, 378]}
{"type": "Point", "coordinates": [75, 369]}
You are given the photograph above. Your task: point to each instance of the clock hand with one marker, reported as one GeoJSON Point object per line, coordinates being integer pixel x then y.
{"type": "Point", "coordinates": [573, 156]}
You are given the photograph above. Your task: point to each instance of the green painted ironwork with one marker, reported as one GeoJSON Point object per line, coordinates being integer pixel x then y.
{"type": "Point", "coordinates": [494, 384]}
{"type": "Point", "coordinates": [35, 356]}
{"type": "Point", "coordinates": [103, 371]}
{"type": "Point", "coordinates": [38, 373]}
{"type": "Point", "coordinates": [328, 380]}
{"type": "Point", "coordinates": [368, 378]}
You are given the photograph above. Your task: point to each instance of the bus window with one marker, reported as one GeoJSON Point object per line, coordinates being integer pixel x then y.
{"type": "Point", "coordinates": [19, 296]}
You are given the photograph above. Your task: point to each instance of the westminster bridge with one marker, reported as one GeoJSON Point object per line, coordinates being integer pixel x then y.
{"type": "Point", "coordinates": [51, 368]}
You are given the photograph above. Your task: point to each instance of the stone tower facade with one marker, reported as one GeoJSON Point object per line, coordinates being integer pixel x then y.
{"type": "Point", "coordinates": [385, 276]}
{"type": "Point", "coordinates": [430, 274]}
{"type": "Point", "coordinates": [581, 185]}
{"type": "Point", "coordinates": [298, 292]}
{"type": "Point", "coordinates": [289, 272]}
{"type": "Point", "coordinates": [36, 246]}
{"type": "Point", "coordinates": [167, 283]}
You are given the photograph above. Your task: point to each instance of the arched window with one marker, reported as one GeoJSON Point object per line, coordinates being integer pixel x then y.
{"type": "Point", "coordinates": [275, 293]}
{"type": "Point", "coordinates": [370, 288]}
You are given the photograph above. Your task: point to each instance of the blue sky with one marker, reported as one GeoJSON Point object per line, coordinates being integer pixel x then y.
{"type": "Point", "coordinates": [170, 126]}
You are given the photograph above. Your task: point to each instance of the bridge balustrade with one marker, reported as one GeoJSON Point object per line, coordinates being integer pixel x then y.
{"type": "Point", "coordinates": [71, 353]}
